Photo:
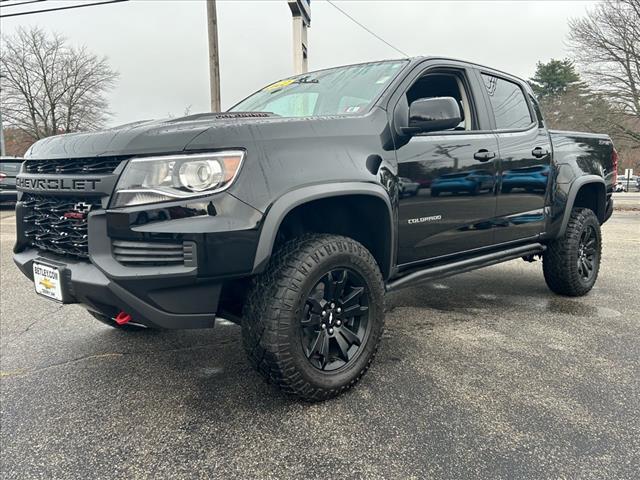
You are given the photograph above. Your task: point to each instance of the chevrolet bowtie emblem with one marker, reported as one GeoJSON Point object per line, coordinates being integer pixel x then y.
{"type": "Point", "coordinates": [80, 211]}
{"type": "Point", "coordinates": [46, 283]}
{"type": "Point", "coordinates": [82, 207]}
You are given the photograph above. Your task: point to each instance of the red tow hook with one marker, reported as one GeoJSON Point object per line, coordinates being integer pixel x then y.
{"type": "Point", "coordinates": [122, 318]}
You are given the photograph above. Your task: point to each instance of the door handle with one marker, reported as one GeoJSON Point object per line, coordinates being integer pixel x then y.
{"type": "Point", "coordinates": [484, 155]}
{"type": "Point", "coordinates": [539, 152]}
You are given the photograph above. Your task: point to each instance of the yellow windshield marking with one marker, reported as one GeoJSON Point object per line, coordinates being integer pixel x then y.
{"type": "Point", "coordinates": [280, 84]}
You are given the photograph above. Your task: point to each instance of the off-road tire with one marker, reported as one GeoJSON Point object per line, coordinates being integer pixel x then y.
{"type": "Point", "coordinates": [560, 260]}
{"type": "Point", "coordinates": [127, 327]}
{"type": "Point", "coordinates": [274, 308]}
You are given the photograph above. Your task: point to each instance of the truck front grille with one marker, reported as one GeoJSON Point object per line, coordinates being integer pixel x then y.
{"type": "Point", "coordinates": [74, 165]}
{"type": "Point", "coordinates": [58, 224]}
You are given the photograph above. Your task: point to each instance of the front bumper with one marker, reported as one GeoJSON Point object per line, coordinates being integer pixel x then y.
{"type": "Point", "coordinates": [223, 234]}
{"type": "Point", "coordinates": [83, 282]}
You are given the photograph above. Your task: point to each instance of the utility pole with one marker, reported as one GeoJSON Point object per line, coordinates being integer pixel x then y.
{"type": "Point", "coordinates": [3, 150]}
{"type": "Point", "coordinates": [301, 12]}
{"type": "Point", "coordinates": [214, 62]}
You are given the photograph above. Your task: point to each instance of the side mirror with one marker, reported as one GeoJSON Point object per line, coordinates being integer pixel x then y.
{"type": "Point", "coordinates": [434, 114]}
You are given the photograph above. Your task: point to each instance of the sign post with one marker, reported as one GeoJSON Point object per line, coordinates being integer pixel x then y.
{"type": "Point", "coordinates": [628, 173]}
{"type": "Point", "coordinates": [301, 12]}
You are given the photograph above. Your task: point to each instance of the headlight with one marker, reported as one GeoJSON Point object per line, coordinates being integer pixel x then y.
{"type": "Point", "coordinates": [173, 177]}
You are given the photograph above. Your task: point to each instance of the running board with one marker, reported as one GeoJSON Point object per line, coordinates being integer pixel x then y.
{"type": "Point", "coordinates": [467, 265]}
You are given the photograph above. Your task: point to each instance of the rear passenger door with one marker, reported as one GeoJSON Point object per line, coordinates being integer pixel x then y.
{"type": "Point", "coordinates": [524, 161]}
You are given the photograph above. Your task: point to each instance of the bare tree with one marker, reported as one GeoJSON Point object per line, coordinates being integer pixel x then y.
{"type": "Point", "coordinates": [48, 87]}
{"type": "Point", "coordinates": [606, 44]}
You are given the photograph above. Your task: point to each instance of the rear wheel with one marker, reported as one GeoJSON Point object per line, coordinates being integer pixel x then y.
{"type": "Point", "coordinates": [313, 320]}
{"type": "Point", "coordinates": [571, 263]}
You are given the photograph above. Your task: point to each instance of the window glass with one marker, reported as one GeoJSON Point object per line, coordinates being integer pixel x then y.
{"type": "Point", "coordinates": [536, 108]}
{"type": "Point", "coordinates": [337, 91]}
{"type": "Point", "coordinates": [294, 105]}
{"type": "Point", "coordinates": [508, 102]}
{"type": "Point", "coordinates": [434, 85]}
{"type": "Point", "coordinates": [349, 104]}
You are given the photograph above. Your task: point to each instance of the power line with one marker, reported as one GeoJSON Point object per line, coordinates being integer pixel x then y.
{"type": "Point", "coordinates": [21, 3]}
{"type": "Point", "coordinates": [365, 28]}
{"type": "Point", "coordinates": [62, 8]}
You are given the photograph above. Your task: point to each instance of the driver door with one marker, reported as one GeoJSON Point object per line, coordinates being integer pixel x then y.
{"type": "Point", "coordinates": [453, 206]}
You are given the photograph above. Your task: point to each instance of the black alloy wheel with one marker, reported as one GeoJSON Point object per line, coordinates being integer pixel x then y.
{"type": "Point", "coordinates": [587, 253]}
{"type": "Point", "coordinates": [335, 322]}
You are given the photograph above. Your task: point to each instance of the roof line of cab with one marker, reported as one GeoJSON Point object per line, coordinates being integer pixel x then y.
{"type": "Point", "coordinates": [479, 65]}
{"type": "Point", "coordinates": [420, 58]}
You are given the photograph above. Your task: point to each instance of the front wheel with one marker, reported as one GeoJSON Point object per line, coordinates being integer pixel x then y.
{"type": "Point", "coordinates": [313, 320]}
{"type": "Point", "coordinates": [571, 263]}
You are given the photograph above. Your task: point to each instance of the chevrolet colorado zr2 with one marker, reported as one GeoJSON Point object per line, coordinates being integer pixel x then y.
{"type": "Point", "coordinates": [289, 213]}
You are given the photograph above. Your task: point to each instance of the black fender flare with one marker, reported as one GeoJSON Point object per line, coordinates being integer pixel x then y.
{"type": "Point", "coordinates": [279, 209]}
{"type": "Point", "coordinates": [577, 184]}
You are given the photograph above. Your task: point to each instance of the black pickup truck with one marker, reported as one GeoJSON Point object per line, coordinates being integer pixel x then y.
{"type": "Point", "coordinates": [296, 211]}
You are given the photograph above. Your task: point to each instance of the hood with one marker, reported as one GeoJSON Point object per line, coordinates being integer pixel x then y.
{"type": "Point", "coordinates": [146, 137]}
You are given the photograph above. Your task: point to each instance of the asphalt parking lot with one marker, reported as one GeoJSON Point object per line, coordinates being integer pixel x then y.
{"type": "Point", "coordinates": [628, 200]}
{"type": "Point", "coordinates": [484, 375]}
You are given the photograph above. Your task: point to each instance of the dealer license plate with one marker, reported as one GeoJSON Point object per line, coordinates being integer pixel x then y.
{"type": "Point", "coordinates": [47, 281]}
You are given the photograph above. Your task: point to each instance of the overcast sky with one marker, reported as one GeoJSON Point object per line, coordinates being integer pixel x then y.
{"type": "Point", "coordinates": [160, 46]}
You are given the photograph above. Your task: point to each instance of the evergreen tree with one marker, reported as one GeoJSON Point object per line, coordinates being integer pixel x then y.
{"type": "Point", "coordinates": [554, 78]}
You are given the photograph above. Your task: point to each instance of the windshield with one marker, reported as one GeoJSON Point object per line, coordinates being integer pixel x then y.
{"type": "Point", "coordinates": [337, 91]}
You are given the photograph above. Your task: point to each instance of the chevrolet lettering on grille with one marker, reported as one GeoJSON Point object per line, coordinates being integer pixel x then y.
{"type": "Point", "coordinates": [65, 184]}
